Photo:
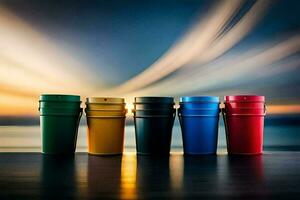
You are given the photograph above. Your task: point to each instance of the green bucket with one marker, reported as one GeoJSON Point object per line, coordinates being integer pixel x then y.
{"type": "Point", "coordinates": [59, 124]}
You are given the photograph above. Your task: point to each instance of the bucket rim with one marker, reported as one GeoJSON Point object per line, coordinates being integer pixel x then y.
{"type": "Point", "coordinates": [60, 107]}
{"type": "Point", "coordinates": [149, 103]}
{"type": "Point", "coordinates": [103, 104]}
{"type": "Point", "coordinates": [153, 116]}
{"type": "Point", "coordinates": [60, 114]}
{"type": "Point", "coordinates": [245, 114]}
{"type": "Point", "coordinates": [105, 110]}
{"type": "Point", "coordinates": [153, 112]}
{"type": "Point", "coordinates": [106, 117]}
{"type": "Point", "coordinates": [173, 109]}
{"type": "Point", "coordinates": [59, 98]}
{"type": "Point", "coordinates": [199, 99]}
{"type": "Point", "coordinates": [195, 116]}
{"type": "Point", "coordinates": [105, 100]}
{"type": "Point", "coordinates": [60, 110]}
{"type": "Point", "coordinates": [244, 98]}
{"type": "Point", "coordinates": [199, 109]}
{"type": "Point", "coordinates": [245, 108]}
{"type": "Point", "coordinates": [59, 102]}
{"type": "Point", "coordinates": [154, 100]}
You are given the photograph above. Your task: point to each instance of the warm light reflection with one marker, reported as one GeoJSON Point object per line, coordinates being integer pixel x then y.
{"type": "Point", "coordinates": [129, 107]}
{"type": "Point", "coordinates": [128, 177]}
{"type": "Point", "coordinates": [28, 70]}
{"type": "Point", "coordinates": [176, 171]}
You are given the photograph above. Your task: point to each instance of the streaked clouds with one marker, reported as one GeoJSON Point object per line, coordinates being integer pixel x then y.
{"type": "Point", "coordinates": [224, 51]}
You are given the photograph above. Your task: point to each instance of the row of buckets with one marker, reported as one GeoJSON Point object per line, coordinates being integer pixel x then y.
{"type": "Point", "coordinates": [153, 120]}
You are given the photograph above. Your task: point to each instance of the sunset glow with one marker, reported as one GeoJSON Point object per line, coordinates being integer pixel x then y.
{"type": "Point", "coordinates": [213, 56]}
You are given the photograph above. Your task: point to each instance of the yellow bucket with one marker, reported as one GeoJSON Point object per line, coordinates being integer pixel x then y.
{"type": "Point", "coordinates": [106, 129]}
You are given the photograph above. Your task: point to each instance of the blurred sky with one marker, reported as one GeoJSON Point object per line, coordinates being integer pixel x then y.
{"type": "Point", "coordinates": [129, 48]}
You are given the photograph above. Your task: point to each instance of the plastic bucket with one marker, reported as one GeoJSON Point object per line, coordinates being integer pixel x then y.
{"type": "Point", "coordinates": [199, 118]}
{"type": "Point", "coordinates": [153, 120]}
{"type": "Point", "coordinates": [106, 129]}
{"type": "Point", "coordinates": [59, 126]}
{"type": "Point", "coordinates": [244, 124]}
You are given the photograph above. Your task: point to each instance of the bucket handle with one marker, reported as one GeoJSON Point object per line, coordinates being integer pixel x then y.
{"type": "Point", "coordinates": [265, 109]}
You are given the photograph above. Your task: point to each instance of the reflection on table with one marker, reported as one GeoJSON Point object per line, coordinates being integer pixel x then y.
{"type": "Point", "coordinates": [30, 176]}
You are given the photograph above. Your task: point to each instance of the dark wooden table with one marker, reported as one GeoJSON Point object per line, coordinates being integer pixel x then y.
{"type": "Point", "coordinates": [36, 176]}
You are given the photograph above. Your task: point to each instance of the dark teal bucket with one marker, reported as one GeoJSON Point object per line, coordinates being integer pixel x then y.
{"type": "Point", "coordinates": [59, 124]}
{"type": "Point", "coordinates": [153, 127]}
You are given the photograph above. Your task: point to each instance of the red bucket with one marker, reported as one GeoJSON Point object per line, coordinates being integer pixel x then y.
{"type": "Point", "coordinates": [244, 124]}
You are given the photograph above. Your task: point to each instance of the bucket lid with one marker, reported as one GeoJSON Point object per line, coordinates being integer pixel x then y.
{"type": "Point", "coordinates": [245, 98]}
{"type": "Point", "coordinates": [59, 97]}
{"type": "Point", "coordinates": [108, 100]}
{"type": "Point", "coordinates": [154, 100]}
{"type": "Point", "coordinates": [196, 99]}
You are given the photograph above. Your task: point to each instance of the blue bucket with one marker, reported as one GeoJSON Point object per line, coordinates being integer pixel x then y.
{"type": "Point", "coordinates": [199, 119]}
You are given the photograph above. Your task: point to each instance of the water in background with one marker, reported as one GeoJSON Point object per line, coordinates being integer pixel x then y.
{"type": "Point", "coordinates": [27, 138]}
